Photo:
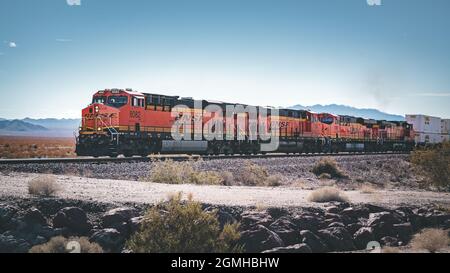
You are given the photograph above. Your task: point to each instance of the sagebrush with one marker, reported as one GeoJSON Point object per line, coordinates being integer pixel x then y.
{"type": "Point", "coordinates": [183, 227]}
{"type": "Point", "coordinates": [61, 244]}
{"type": "Point", "coordinates": [430, 239]}
{"type": "Point", "coordinates": [327, 194]}
{"type": "Point", "coordinates": [434, 162]}
{"type": "Point", "coordinates": [328, 166]}
{"type": "Point", "coordinates": [45, 185]}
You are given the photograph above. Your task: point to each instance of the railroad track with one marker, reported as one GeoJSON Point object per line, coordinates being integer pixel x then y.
{"type": "Point", "coordinates": [172, 157]}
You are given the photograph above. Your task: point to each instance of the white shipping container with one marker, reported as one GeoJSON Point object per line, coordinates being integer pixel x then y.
{"type": "Point", "coordinates": [427, 138]}
{"type": "Point", "coordinates": [445, 137]}
{"type": "Point", "coordinates": [425, 124]}
{"type": "Point", "coordinates": [445, 126]}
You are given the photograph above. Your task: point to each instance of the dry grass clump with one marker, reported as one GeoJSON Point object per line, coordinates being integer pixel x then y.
{"type": "Point", "coordinates": [43, 186]}
{"type": "Point", "coordinates": [434, 162]}
{"type": "Point", "coordinates": [328, 166]}
{"type": "Point", "coordinates": [183, 228]}
{"type": "Point", "coordinates": [389, 249]}
{"type": "Point", "coordinates": [172, 172]}
{"type": "Point", "coordinates": [256, 175]}
{"type": "Point", "coordinates": [431, 239]}
{"type": "Point", "coordinates": [61, 244]}
{"type": "Point", "coordinates": [367, 188]}
{"type": "Point", "coordinates": [327, 194]}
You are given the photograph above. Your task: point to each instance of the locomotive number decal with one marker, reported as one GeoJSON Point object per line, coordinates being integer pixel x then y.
{"type": "Point", "coordinates": [135, 114]}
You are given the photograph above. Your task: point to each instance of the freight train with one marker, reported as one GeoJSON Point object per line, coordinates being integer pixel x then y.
{"type": "Point", "coordinates": [126, 122]}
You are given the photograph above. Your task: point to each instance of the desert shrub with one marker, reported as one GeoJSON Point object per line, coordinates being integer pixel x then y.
{"type": "Point", "coordinates": [183, 227]}
{"type": "Point", "coordinates": [172, 172]}
{"type": "Point", "coordinates": [327, 194]}
{"type": "Point", "coordinates": [367, 188]}
{"type": "Point", "coordinates": [61, 244]}
{"type": "Point", "coordinates": [43, 186]}
{"type": "Point", "coordinates": [329, 166]}
{"type": "Point", "coordinates": [227, 178]}
{"type": "Point", "coordinates": [255, 175]}
{"type": "Point", "coordinates": [434, 162]}
{"type": "Point", "coordinates": [430, 239]}
{"type": "Point", "coordinates": [389, 249]}
{"type": "Point", "coordinates": [273, 181]}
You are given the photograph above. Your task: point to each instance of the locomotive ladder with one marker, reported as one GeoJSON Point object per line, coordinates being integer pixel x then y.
{"type": "Point", "coordinates": [111, 130]}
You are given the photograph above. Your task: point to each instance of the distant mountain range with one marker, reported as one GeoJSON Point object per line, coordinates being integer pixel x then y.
{"type": "Point", "coordinates": [39, 127]}
{"type": "Point", "coordinates": [20, 126]}
{"type": "Point", "coordinates": [350, 111]}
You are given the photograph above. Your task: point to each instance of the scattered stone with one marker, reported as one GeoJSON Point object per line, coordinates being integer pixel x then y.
{"type": "Point", "coordinates": [363, 236]}
{"type": "Point", "coordinates": [260, 238]}
{"type": "Point", "coordinates": [313, 241]}
{"type": "Point", "coordinates": [286, 230]}
{"type": "Point", "coordinates": [109, 239]}
{"type": "Point", "coordinates": [73, 218]}
{"type": "Point", "coordinates": [337, 239]}
{"type": "Point", "coordinates": [117, 216]}
{"type": "Point", "coordinates": [34, 216]}
{"type": "Point", "coordinates": [298, 248]}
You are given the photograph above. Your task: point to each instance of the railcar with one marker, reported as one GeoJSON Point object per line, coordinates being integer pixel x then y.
{"type": "Point", "coordinates": [123, 121]}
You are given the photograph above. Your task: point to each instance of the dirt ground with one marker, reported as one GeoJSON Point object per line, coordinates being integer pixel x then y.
{"type": "Point", "coordinates": [110, 191]}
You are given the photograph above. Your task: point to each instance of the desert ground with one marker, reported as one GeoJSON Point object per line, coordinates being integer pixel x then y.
{"type": "Point", "coordinates": [36, 147]}
{"type": "Point", "coordinates": [382, 198]}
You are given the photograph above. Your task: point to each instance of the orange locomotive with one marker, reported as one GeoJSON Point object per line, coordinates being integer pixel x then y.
{"type": "Point", "coordinates": [132, 123]}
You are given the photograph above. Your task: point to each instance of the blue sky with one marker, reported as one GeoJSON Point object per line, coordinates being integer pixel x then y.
{"type": "Point", "coordinates": [394, 57]}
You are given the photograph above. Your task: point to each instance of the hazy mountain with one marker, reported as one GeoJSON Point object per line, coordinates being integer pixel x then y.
{"type": "Point", "coordinates": [53, 123]}
{"type": "Point", "coordinates": [20, 126]}
{"type": "Point", "coordinates": [39, 127]}
{"type": "Point", "coordinates": [350, 111]}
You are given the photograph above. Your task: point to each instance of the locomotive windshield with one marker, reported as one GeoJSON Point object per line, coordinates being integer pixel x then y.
{"type": "Point", "coordinates": [99, 100]}
{"type": "Point", "coordinates": [117, 101]}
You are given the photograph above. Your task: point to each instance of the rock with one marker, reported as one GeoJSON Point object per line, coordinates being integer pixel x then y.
{"type": "Point", "coordinates": [117, 216]}
{"type": "Point", "coordinates": [382, 217]}
{"type": "Point", "coordinates": [417, 221]}
{"type": "Point", "coordinates": [313, 241]}
{"type": "Point", "coordinates": [332, 209]}
{"type": "Point", "coordinates": [352, 228]}
{"type": "Point", "coordinates": [73, 218]}
{"type": "Point", "coordinates": [135, 223]}
{"type": "Point", "coordinates": [276, 213]}
{"type": "Point", "coordinates": [6, 214]}
{"type": "Point", "coordinates": [10, 244]}
{"type": "Point", "coordinates": [260, 238]}
{"type": "Point", "coordinates": [337, 239]}
{"type": "Point", "coordinates": [363, 236]}
{"type": "Point", "coordinates": [308, 222]}
{"type": "Point", "coordinates": [34, 216]}
{"type": "Point", "coordinates": [382, 223]}
{"type": "Point", "coordinates": [109, 239]}
{"type": "Point", "coordinates": [48, 232]}
{"type": "Point", "coordinates": [225, 218]}
{"type": "Point", "coordinates": [436, 219]}
{"type": "Point", "coordinates": [356, 213]}
{"type": "Point", "coordinates": [250, 219]}
{"type": "Point", "coordinates": [336, 224]}
{"type": "Point", "coordinates": [298, 248]}
{"type": "Point", "coordinates": [374, 208]}
{"type": "Point", "coordinates": [403, 231]}
{"type": "Point", "coordinates": [39, 240]}
{"type": "Point", "coordinates": [286, 230]}
{"type": "Point", "coordinates": [389, 241]}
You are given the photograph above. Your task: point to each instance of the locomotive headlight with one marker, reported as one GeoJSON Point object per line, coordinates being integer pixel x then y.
{"type": "Point", "coordinates": [99, 128]}
{"type": "Point", "coordinates": [96, 109]}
